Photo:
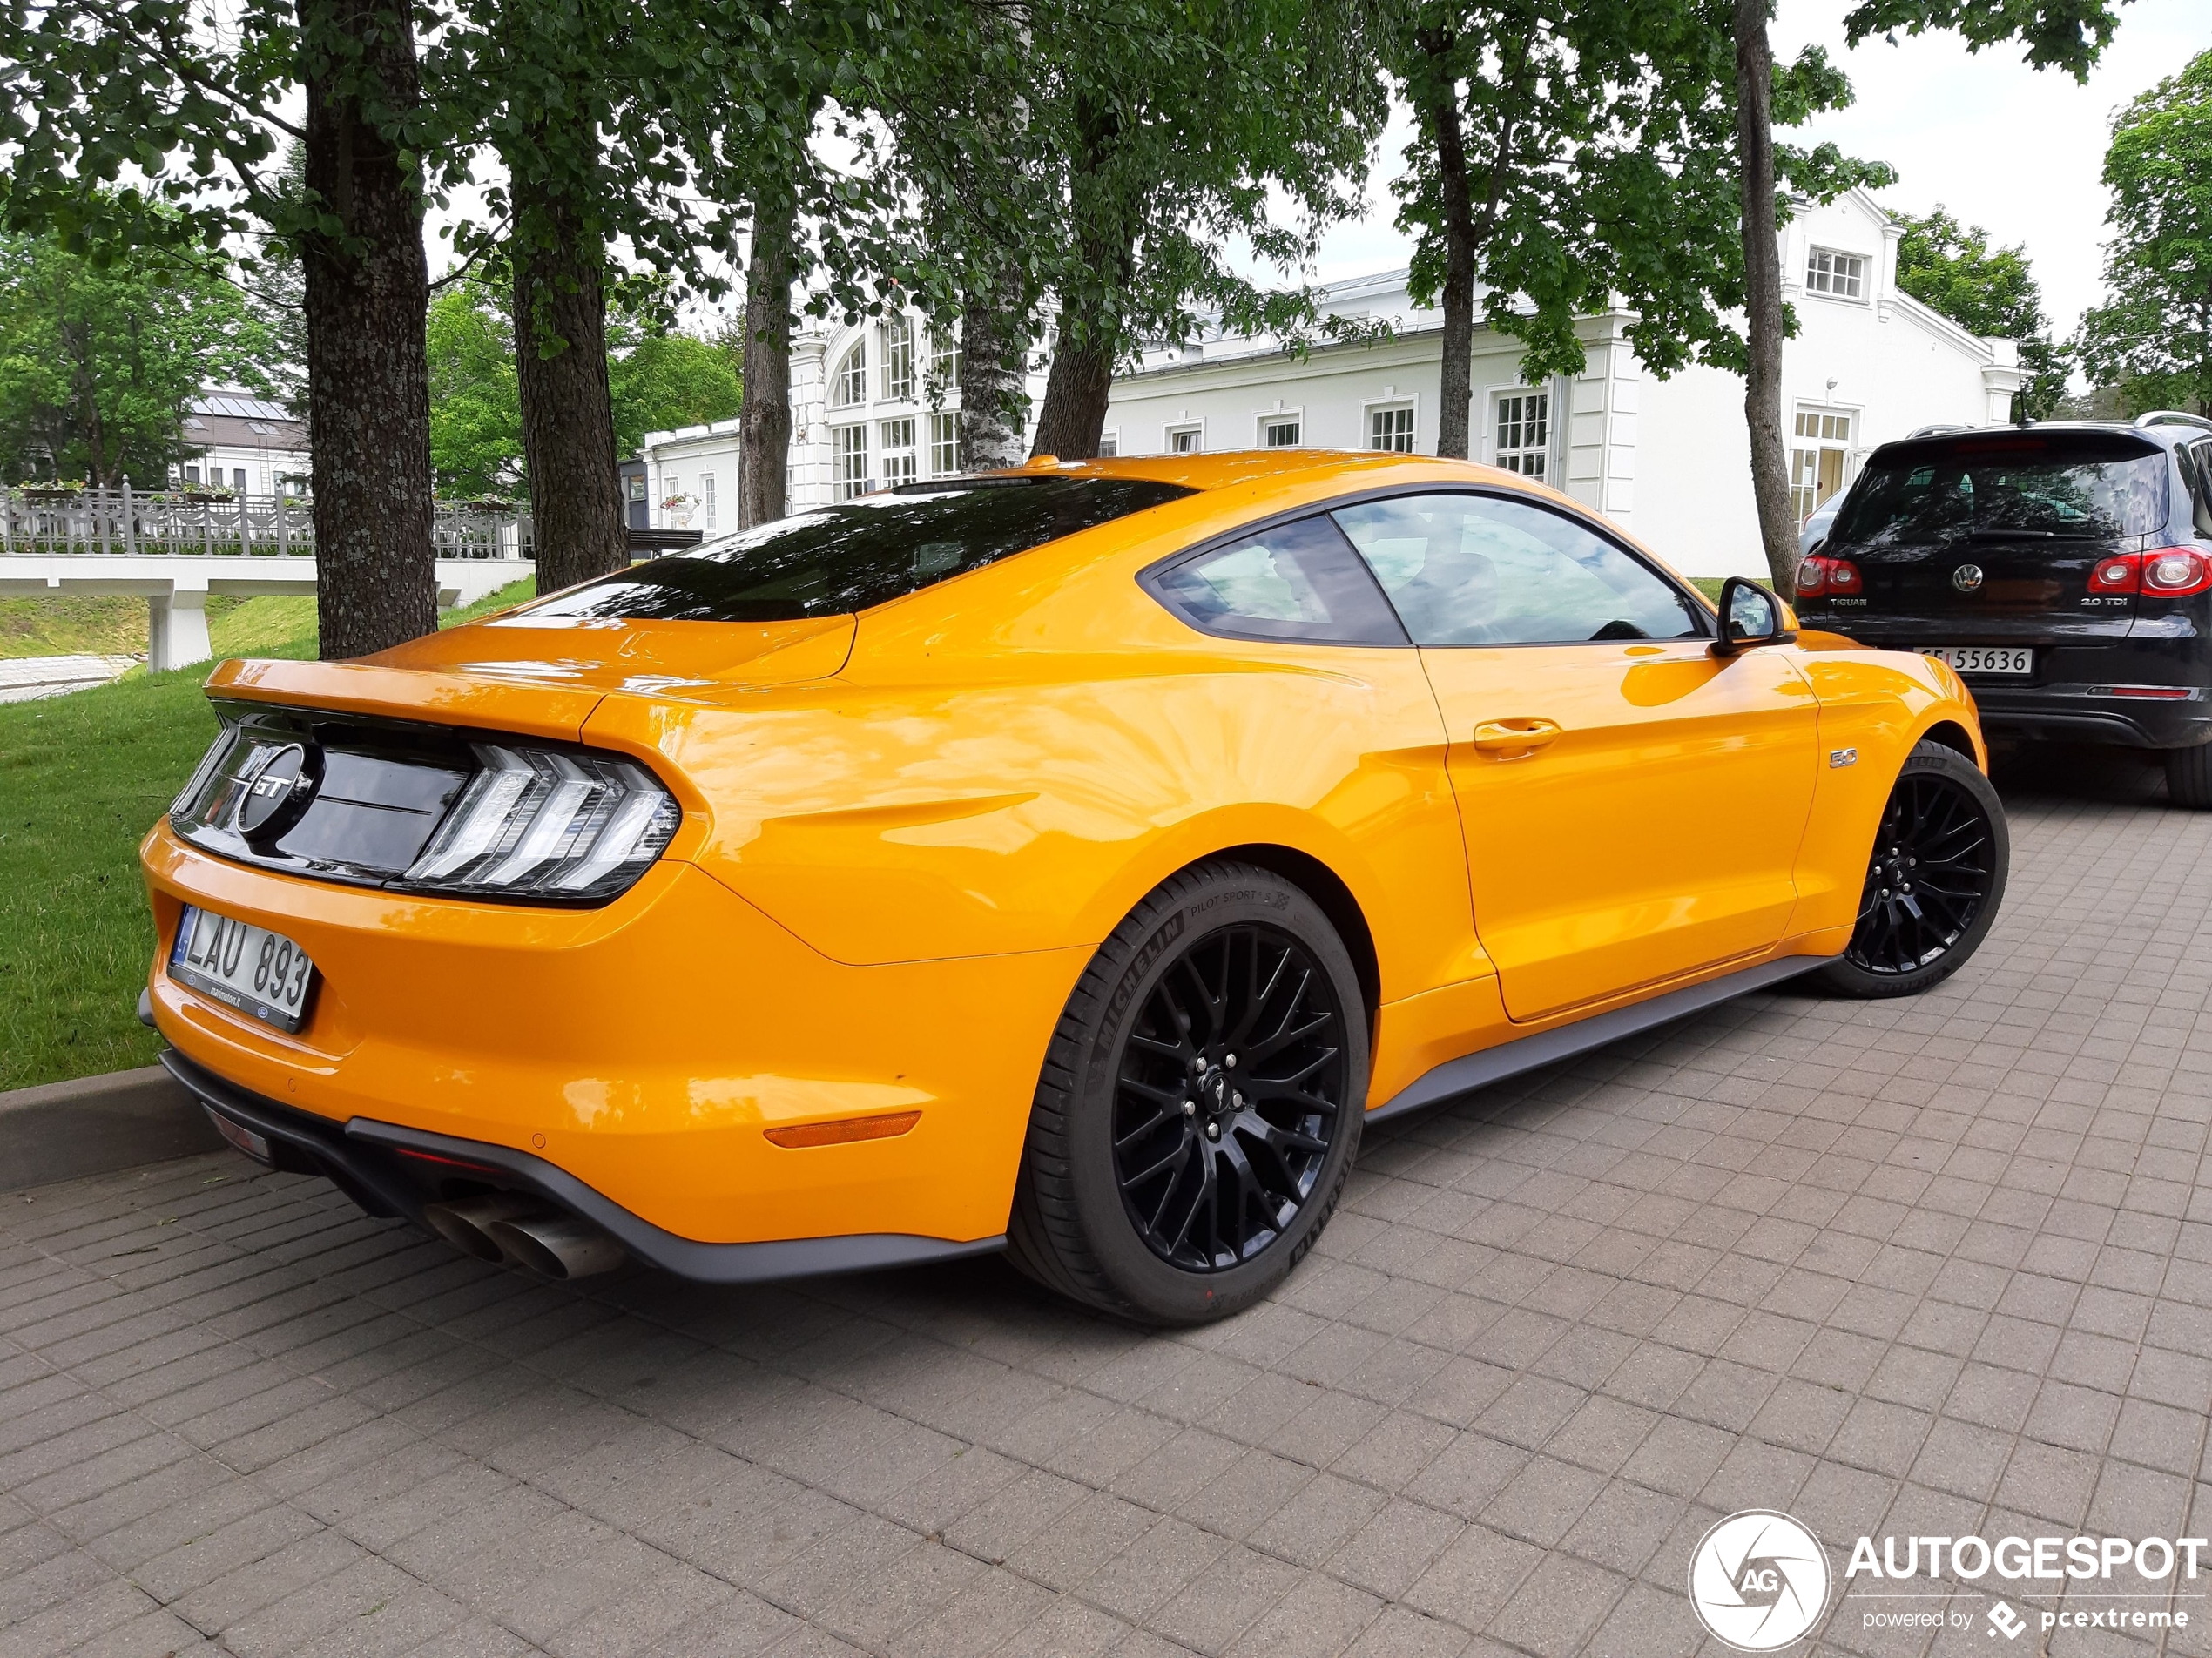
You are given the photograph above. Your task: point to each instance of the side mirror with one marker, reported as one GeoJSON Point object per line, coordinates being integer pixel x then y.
{"type": "Point", "coordinates": [1751, 617]}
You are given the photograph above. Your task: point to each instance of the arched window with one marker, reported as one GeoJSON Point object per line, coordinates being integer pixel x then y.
{"type": "Point", "coordinates": [849, 385]}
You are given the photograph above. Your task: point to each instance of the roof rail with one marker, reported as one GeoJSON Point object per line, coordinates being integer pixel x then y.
{"type": "Point", "coordinates": [1938, 431]}
{"type": "Point", "coordinates": [2174, 417]}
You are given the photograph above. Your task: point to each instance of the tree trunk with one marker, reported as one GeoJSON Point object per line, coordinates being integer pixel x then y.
{"type": "Point", "coordinates": [368, 294]}
{"type": "Point", "coordinates": [1074, 416]}
{"type": "Point", "coordinates": [568, 418]}
{"type": "Point", "coordinates": [1075, 392]}
{"type": "Point", "coordinates": [993, 347]}
{"type": "Point", "coordinates": [1456, 392]}
{"type": "Point", "coordinates": [763, 419]}
{"type": "Point", "coordinates": [1763, 293]}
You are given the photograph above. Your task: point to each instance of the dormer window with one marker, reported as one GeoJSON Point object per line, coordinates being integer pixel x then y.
{"type": "Point", "coordinates": [1841, 276]}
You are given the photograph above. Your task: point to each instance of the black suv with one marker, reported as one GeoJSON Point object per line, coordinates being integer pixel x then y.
{"type": "Point", "coordinates": [2065, 570]}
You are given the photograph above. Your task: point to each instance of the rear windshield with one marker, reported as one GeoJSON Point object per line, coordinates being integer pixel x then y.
{"type": "Point", "coordinates": [2075, 486]}
{"type": "Point", "coordinates": [834, 560]}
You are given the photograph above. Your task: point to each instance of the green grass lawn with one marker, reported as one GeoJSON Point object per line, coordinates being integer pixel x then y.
{"type": "Point", "coordinates": [82, 778]}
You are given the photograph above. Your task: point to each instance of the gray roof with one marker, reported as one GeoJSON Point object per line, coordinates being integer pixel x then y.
{"type": "Point", "coordinates": [228, 400]}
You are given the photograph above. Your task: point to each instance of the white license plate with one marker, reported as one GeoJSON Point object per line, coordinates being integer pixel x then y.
{"type": "Point", "coordinates": [256, 971]}
{"type": "Point", "coordinates": [1983, 658]}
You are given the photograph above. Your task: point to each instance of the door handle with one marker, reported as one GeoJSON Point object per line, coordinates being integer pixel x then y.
{"type": "Point", "coordinates": [1509, 739]}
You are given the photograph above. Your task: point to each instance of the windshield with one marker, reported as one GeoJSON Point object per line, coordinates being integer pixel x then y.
{"type": "Point", "coordinates": [2072, 486]}
{"type": "Point", "coordinates": [834, 560]}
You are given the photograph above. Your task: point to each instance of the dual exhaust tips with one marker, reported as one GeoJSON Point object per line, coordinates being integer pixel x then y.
{"type": "Point", "coordinates": [508, 1226]}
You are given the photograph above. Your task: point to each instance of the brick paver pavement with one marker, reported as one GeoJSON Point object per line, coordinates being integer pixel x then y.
{"type": "Point", "coordinates": [1936, 1266]}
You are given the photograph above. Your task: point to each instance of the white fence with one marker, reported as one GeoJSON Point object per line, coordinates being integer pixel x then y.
{"type": "Point", "coordinates": [48, 522]}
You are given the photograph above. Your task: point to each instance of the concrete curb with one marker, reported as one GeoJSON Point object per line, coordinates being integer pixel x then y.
{"type": "Point", "coordinates": [98, 1124]}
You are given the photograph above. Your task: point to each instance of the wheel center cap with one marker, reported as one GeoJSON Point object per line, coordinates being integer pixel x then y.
{"type": "Point", "coordinates": [1215, 1095]}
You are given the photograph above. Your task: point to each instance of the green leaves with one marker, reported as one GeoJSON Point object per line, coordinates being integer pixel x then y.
{"type": "Point", "coordinates": [2153, 337]}
{"type": "Point", "coordinates": [99, 359]}
{"type": "Point", "coordinates": [2058, 34]}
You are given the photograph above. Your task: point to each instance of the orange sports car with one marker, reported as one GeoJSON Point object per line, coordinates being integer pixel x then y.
{"type": "Point", "coordinates": [1067, 860]}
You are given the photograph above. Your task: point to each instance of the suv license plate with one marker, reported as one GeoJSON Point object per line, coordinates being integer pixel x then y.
{"type": "Point", "coordinates": [1983, 658]}
{"type": "Point", "coordinates": [258, 972]}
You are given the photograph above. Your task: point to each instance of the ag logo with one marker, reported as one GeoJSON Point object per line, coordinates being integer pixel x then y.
{"type": "Point", "coordinates": [1966, 577]}
{"type": "Point", "coordinates": [1758, 1580]}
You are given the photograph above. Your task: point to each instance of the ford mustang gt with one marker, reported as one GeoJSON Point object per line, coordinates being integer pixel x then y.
{"type": "Point", "coordinates": [1066, 861]}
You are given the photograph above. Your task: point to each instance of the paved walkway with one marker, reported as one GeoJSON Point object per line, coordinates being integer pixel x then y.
{"type": "Point", "coordinates": [1934, 1267]}
{"type": "Point", "coordinates": [23, 679]}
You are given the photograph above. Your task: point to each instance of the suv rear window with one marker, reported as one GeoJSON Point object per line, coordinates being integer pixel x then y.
{"type": "Point", "coordinates": [2070, 486]}
{"type": "Point", "coordinates": [834, 560]}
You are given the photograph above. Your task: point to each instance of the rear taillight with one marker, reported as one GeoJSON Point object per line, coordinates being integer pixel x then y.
{"type": "Point", "coordinates": [1817, 574]}
{"type": "Point", "coordinates": [2115, 575]}
{"type": "Point", "coordinates": [2169, 572]}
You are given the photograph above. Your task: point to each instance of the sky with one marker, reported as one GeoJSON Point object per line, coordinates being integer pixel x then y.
{"type": "Point", "coordinates": [2011, 149]}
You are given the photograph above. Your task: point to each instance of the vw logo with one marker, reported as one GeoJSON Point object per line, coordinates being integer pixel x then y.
{"type": "Point", "coordinates": [280, 778]}
{"type": "Point", "coordinates": [1758, 1580]}
{"type": "Point", "coordinates": [1966, 577]}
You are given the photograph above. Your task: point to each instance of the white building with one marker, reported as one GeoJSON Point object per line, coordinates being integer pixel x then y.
{"type": "Point", "coordinates": [237, 441]}
{"type": "Point", "coordinates": [1666, 459]}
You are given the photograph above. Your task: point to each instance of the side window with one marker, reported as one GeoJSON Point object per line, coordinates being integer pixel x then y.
{"type": "Point", "coordinates": [1479, 570]}
{"type": "Point", "coordinates": [2196, 467]}
{"type": "Point", "coordinates": [1297, 581]}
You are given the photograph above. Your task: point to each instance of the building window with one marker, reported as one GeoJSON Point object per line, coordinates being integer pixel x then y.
{"type": "Point", "coordinates": [849, 385]}
{"type": "Point", "coordinates": [1185, 440]}
{"type": "Point", "coordinates": [944, 445]}
{"type": "Point", "coordinates": [896, 336]}
{"type": "Point", "coordinates": [191, 472]}
{"type": "Point", "coordinates": [1843, 275]}
{"type": "Point", "coordinates": [1110, 444]}
{"type": "Point", "coordinates": [238, 479]}
{"type": "Point", "coordinates": [1819, 450]}
{"type": "Point", "coordinates": [1278, 431]}
{"type": "Point", "coordinates": [638, 488]}
{"type": "Point", "coordinates": [849, 461]}
{"type": "Point", "coordinates": [706, 500]}
{"type": "Point", "coordinates": [899, 458]}
{"type": "Point", "coordinates": [1524, 432]}
{"type": "Point", "coordinates": [944, 357]}
{"type": "Point", "coordinates": [1391, 428]}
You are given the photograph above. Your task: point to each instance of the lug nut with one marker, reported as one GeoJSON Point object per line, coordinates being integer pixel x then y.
{"type": "Point", "coordinates": [1228, 1060]}
{"type": "Point", "coordinates": [1191, 1108]}
{"type": "Point", "coordinates": [1213, 1131]}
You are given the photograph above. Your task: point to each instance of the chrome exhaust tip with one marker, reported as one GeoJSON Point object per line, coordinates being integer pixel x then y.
{"type": "Point", "coordinates": [555, 1245]}
{"type": "Point", "coordinates": [465, 1224]}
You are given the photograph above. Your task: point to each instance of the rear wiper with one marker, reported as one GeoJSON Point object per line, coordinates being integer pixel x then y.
{"type": "Point", "coordinates": [2028, 535]}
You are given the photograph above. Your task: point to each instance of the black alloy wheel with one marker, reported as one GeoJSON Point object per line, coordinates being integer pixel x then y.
{"type": "Point", "coordinates": [1934, 881]}
{"type": "Point", "coordinates": [1228, 1092]}
{"type": "Point", "coordinates": [1200, 1102]}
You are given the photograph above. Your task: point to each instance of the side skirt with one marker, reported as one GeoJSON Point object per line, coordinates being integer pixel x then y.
{"type": "Point", "coordinates": [1457, 1076]}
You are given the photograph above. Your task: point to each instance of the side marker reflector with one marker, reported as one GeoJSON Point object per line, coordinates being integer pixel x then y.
{"type": "Point", "coordinates": [844, 1130]}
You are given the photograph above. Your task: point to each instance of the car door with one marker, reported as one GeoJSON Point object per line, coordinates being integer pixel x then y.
{"type": "Point", "coordinates": [1631, 804]}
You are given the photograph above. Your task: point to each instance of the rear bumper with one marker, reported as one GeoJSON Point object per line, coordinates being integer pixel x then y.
{"type": "Point", "coordinates": [391, 1170]}
{"type": "Point", "coordinates": [646, 1049]}
{"type": "Point", "coordinates": [2094, 714]}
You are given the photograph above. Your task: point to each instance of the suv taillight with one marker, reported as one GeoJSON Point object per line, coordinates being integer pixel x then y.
{"type": "Point", "coordinates": [1819, 574]}
{"type": "Point", "coordinates": [2172, 571]}
{"type": "Point", "coordinates": [2115, 575]}
{"type": "Point", "coordinates": [2168, 572]}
